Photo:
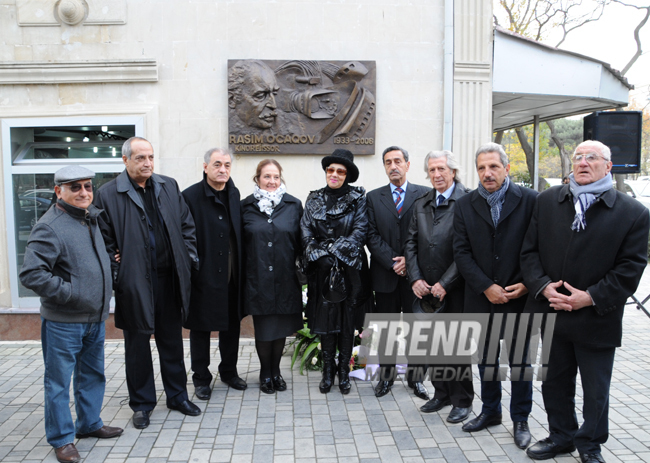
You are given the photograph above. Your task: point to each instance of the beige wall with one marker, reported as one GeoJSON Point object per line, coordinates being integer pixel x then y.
{"type": "Point", "coordinates": [185, 109]}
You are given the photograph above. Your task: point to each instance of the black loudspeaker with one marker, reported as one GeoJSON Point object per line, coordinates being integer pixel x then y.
{"type": "Point", "coordinates": [621, 132]}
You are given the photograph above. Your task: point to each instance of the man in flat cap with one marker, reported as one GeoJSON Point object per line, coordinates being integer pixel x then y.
{"type": "Point", "coordinates": [147, 221]}
{"type": "Point", "coordinates": [66, 264]}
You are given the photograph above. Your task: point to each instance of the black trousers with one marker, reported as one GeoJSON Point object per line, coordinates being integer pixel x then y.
{"type": "Point", "coordinates": [460, 392]}
{"type": "Point", "coordinates": [169, 342]}
{"type": "Point", "coordinates": [521, 392]}
{"type": "Point", "coordinates": [228, 347]}
{"type": "Point", "coordinates": [398, 301]}
{"type": "Point", "coordinates": [558, 390]}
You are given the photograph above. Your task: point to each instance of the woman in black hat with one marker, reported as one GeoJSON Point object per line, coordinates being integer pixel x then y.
{"type": "Point", "coordinates": [334, 227]}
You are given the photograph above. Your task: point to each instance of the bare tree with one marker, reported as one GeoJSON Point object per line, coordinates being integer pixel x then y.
{"type": "Point", "coordinates": [565, 156]}
{"type": "Point", "coordinates": [639, 26]}
{"type": "Point", "coordinates": [530, 157]}
{"type": "Point", "coordinates": [536, 18]}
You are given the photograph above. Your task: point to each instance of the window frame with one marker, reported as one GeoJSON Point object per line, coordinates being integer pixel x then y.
{"type": "Point", "coordinates": [48, 166]}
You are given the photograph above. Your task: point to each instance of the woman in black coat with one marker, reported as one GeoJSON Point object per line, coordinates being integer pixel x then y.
{"type": "Point", "coordinates": [334, 228]}
{"type": "Point", "coordinates": [272, 293]}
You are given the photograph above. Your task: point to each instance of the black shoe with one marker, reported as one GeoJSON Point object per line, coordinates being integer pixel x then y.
{"type": "Point", "coordinates": [279, 384]}
{"type": "Point", "coordinates": [458, 414]}
{"type": "Point", "coordinates": [481, 422]}
{"type": "Point", "coordinates": [591, 458]}
{"type": "Point", "coordinates": [203, 392]}
{"type": "Point", "coordinates": [547, 449]}
{"type": "Point", "coordinates": [419, 389]}
{"type": "Point", "coordinates": [434, 405]}
{"type": "Point", "coordinates": [522, 434]}
{"type": "Point", "coordinates": [383, 388]}
{"type": "Point", "coordinates": [105, 432]}
{"type": "Point", "coordinates": [266, 386]}
{"type": "Point", "coordinates": [236, 383]}
{"type": "Point", "coordinates": [185, 407]}
{"type": "Point", "coordinates": [141, 419]}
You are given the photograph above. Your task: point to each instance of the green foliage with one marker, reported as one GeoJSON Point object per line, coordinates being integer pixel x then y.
{"type": "Point", "coordinates": [306, 348]}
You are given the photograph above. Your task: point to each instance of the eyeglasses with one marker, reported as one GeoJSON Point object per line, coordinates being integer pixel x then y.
{"type": "Point", "coordinates": [590, 157]}
{"type": "Point", "coordinates": [76, 187]}
{"type": "Point", "coordinates": [331, 170]}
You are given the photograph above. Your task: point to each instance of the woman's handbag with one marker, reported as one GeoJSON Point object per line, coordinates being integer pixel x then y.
{"type": "Point", "coordinates": [334, 289]}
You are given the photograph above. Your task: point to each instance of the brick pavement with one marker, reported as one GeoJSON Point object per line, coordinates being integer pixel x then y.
{"type": "Point", "coordinates": [303, 425]}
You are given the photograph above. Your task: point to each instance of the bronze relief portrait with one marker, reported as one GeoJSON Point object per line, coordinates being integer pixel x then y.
{"type": "Point", "coordinates": [301, 107]}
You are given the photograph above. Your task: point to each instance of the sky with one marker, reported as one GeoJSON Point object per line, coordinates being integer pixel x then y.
{"type": "Point", "coordinates": [611, 39]}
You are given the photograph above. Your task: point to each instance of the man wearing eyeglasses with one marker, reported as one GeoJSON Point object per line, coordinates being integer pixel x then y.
{"type": "Point", "coordinates": [583, 257]}
{"type": "Point", "coordinates": [66, 264]}
{"type": "Point", "coordinates": [148, 222]}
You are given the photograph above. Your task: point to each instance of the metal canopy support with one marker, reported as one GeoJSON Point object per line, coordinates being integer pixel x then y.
{"type": "Point", "coordinates": [535, 173]}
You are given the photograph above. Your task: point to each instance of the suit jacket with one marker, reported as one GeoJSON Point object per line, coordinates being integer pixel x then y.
{"type": "Point", "coordinates": [387, 233]}
{"type": "Point", "coordinates": [208, 310]}
{"type": "Point", "coordinates": [485, 255]}
{"type": "Point", "coordinates": [607, 259]}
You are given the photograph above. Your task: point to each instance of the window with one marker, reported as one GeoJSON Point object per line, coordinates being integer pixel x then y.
{"type": "Point", "coordinates": [33, 150]}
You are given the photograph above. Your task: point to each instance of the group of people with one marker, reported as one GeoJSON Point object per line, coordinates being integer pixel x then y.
{"type": "Point", "coordinates": [203, 259]}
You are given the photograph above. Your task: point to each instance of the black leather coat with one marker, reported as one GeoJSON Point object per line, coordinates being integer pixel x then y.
{"type": "Point", "coordinates": [336, 232]}
{"type": "Point", "coordinates": [429, 250]}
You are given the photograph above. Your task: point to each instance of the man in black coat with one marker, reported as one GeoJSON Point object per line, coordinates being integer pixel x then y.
{"type": "Point", "coordinates": [215, 300]}
{"type": "Point", "coordinates": [583, 257]}
{"type": "Point", "coordinates": [490, 224]}
{"type": "Point", "coordinates": [432, 271]}
{"type": "Point", "coordinates": [389, 214]}
{"type": "Point", "coordinates": [148, 223]}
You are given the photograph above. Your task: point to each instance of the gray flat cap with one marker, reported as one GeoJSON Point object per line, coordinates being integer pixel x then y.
{"type": "Point", "coordinates": [72, 174]}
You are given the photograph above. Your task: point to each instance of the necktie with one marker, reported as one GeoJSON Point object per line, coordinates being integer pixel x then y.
{"type": "Point", "coordinates": [399, 200]}
{"type": "Point", "coordinates": [441, 199]}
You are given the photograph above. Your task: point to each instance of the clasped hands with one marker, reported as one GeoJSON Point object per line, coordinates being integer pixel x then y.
{"type": "Point", "coordinates": [421, 289]}
{"type": "Point", "coordinates": [576, 300]}
{"type": "Point", "coordinates": [498, 295]}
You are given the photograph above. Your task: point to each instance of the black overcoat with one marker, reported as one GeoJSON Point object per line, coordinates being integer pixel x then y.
{"type": "Point", "coordinates": [210, 291]}
{"type": "Point", "coordinates": [124, 227]}
{"type": "Point", "coordinates": [271, 247]}
{"type": "Point", "coordinates": [486, 256]}
{"type": "Point", "coordinates": [387, 233]}
{"type": "Point", "coordinates": [607, 259]}
{"type": "Point", "coordinates": [429, 248]}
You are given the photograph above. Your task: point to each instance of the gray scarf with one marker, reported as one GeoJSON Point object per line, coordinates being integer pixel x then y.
{"type": "Point", "coordinates": [495, 199]}
{"type": "Point", "coordinates": [585, 196]}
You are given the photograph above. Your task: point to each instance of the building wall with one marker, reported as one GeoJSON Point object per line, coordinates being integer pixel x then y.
{"type": "Point", "coordinates": [185, 102]}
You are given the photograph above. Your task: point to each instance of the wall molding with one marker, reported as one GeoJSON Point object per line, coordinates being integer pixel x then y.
{"type": "Point", "coordinates": [73, 72]}
{"type": "Point", "coordinates": [49, 13]}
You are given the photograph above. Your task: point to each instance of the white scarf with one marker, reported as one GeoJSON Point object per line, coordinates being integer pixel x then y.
{"type": "Point", "coordinates": [267, 200]}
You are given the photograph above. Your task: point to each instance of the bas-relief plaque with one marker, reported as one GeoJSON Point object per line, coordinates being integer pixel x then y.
{"type": "Point", "coordinates": [301, 107]}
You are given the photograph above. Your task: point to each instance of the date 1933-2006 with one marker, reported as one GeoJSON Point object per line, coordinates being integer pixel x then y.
{"type": "Point", "coordinates": [355, 141]}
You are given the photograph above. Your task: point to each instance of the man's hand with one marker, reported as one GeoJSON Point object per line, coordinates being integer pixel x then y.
{"type": "Point", "coordinates": [516, 291]}
{"type": "Point", "coordinates": [496, 294]}
{"type": "Point", "coordinates": [438, 291]}
{"type": "Point", "coordinates": [421, 288]}
{"type": "Point", "coordinates": [575, 301]}
{"type": "Point", "coordinates": [399, 266]}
